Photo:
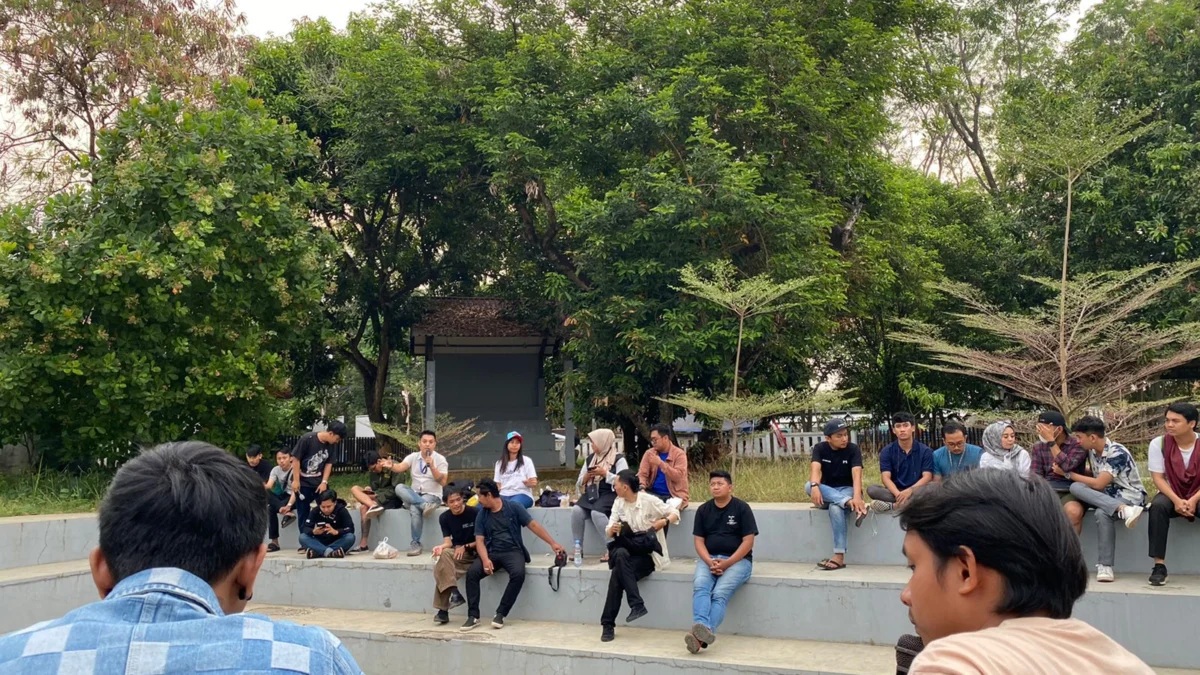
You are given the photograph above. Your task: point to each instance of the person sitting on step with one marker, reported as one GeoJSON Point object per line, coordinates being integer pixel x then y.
{"type": "Point", "coordinates": [638, 547]}
{"type": "Point", "coordinates": [279, 490]}
{"type": "Point", "coordinates": [956, 454]}
{"type": "Point", "coordinates": [1116, 490]}
{"type": "Point", "coordinates": [595, 484]}
{"type": "Point", "coordinates": [455, 554]}
{"type": "Point", "coordinates": [312, 464]}
{"type": "Point", "coordinates": [905, 465]}
{"type": "Point", "coordinates": [1056, 454]}
{"type": "Point", "coordinates": [996, 571]}
{"type": "Point", "coordinates": [378, 495]}
{"type": "Point", "coordinates": [724, 531]}
{"type": "Point", "coordinates": [499, 545]}
{"type": "Point", "coordinates": [329, 530]}
{"type": "Point", "coordinates": [836, 484]}
{"type": "Point", "coordinates": [663, 470]}
{"type": "Point", "coordinates": [1175, 468]}
{"type": "Point", "coordinates": [430, 472]}
{"type": "Point", "coordinates": [514, 472]}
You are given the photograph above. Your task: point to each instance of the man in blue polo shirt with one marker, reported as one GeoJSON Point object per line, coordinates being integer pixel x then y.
{"type": "Point", "coordinates": [957, 454]}
{"type": "Point", "coordinates": [904, 465]}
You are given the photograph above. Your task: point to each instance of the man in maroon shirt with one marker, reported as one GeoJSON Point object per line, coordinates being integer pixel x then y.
{"type": "Point", "coordinates": [1057, 455]}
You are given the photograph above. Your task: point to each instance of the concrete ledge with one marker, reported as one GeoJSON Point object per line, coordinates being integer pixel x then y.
{"type": "Point", "coordinates": [32, 594]}
{"type": "Point", "coordinates": [37, 540]}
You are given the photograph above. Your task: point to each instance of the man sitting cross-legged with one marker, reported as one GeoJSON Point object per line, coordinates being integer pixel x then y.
{"type": "Point", "coordinates": [329, 530]}
{"type": "Point", "coordinates": [498, 544]}
{"type": "Point", "coordinates": [455, 554]}
{"type": "Point", "coordinates": [380, 494]}
{"type": "Point", "coordinates": [724, 532]}
{"type": "Point", "coordinates": [836, 484]}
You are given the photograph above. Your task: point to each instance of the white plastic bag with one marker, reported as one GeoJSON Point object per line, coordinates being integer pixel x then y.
{"type": "Point", "coordinates": [385, 551]}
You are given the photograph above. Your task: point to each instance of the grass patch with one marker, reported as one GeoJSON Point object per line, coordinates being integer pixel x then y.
{"type": "Point", "coordinates": [760, 480]}
{"type": "Point", "coordinates": [29, 494]}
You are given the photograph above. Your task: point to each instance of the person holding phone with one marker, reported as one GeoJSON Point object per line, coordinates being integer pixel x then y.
{"type": "Point", "coordinates": [329, 530]}
{"type": "Point", "coordinates": [430, 472]}
{"type": "Point", "coordinates": [595, 485]}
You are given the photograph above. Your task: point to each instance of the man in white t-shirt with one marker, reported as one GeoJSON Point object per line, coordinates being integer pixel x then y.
{"type": "Point", "coordinates": [430, 472]}
{"type": "Point", "coordinates": [1175, 468]}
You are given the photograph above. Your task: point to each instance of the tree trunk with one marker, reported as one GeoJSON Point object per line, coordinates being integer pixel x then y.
{"type": "Point", "coordinates": [1062, 301]}
{"type": "Point", "coordinates": [737, 364]}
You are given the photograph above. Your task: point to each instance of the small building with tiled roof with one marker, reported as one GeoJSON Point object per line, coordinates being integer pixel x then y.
{"type": "Point", "coordinates": [481, 363]}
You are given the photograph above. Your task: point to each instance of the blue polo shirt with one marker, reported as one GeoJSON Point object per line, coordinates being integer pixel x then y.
{"type": "Point", "coordinates": [907, 468]}
{"type": "Point", "coordinates": [945, 464]}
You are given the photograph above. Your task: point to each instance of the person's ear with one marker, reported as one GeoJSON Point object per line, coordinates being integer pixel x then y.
{"type": "Point", "coordinates": [102, 576]}
{"type": "Point", "coordinates": [246, 572]}
{"type": "Point", "coordinates": [964, 572]}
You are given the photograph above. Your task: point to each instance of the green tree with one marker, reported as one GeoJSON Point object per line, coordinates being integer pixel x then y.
{"type": "Point", "coordinates": [161, 304]}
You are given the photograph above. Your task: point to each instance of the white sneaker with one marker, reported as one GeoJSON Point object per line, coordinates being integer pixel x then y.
{"type": "Point", "coordinates": [1131, 514]}
{"type": "Point", "coordinates": [374, 511]}
{"type": "Point", "coordinates": [1104, 573]}
{"type": "Point", "coordinates": [430, 506]}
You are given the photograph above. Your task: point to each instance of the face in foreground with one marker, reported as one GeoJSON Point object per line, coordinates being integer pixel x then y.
{"type": "Point", "coordinates": [1008, 439]}
{"type": "Point", "coordinates": [513, 446]}
{"type": "Point", "coordinates": [253, 461]}
{"type": "Point", "coordinates": [283, 460]}
{"type": "Point", "coordinates": [932, 599]}
{"type": "Point", "coordinates": [328, 506]}
{"type": "Point", "coordinates": [1177, 425]}
{"type": "Point", "coordinates": [427, 443]}
{"type": "Point", "coordinates": [456, 503]}
{"type": "Point", "coordinates": [903, 431]}
{"type": "Point", "coordinates": [840, 440]}
{"type": "Point", "coordinates": [720, 488]}
{"type": "Point", "coordinates": [956, 442]}
{"type": "Point", "coordinates": [661, 443]}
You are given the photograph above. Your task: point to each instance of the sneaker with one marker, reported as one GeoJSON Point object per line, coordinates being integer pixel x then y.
{"type": "Point", "coordinates": [693, 645]}
{"type": "Point", "coordinates": [374, 511]}
{"type": "Point", "coordinates": [703, 634]}
{"type": "Point", "coordinates": [498, 621]}
{"type": "Point", "coordinates": [456, 599]}
{"type": "Point", "coordinates": [287, 520]}
{"type": "Point", "coordinates": [1130, 514]}
{"type": "Point", "coordinates": [880, 506]}
{"type": "Point", "coordinates": [635, 614]}
{"type": "Point", "coordinates": [471, 624]}
{"type": "Point", "coordinates": [430, 507]}
{"type": "Point", "coordinates": [271, 548]}
{"type": "Point", "coordinates": [607, 634]}
{"type": "Point", "coordinates": [442, 617]}
{"type": "Point", "coordinates": [414, 550]}
{"type": "Point", "coordinates": [1158, 576]}
{"type": "Point", "coordinates": [1104, 573]}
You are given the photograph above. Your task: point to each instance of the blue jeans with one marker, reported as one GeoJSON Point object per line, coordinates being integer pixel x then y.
{"type": "Point", "coordinates": [343, 542]}
{"type": "Point", "coordinates": [836, 499]}
{"type": "Point", "coordinates": [711, 593]}
{"type": "Point", "coordinates": [415, 503]}
{"type": "Point", "coordinates": [523, 500]}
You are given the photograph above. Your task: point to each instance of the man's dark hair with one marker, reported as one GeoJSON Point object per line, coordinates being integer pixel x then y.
{"type": "Point", "coordinates": [1186, 410]}
{"type": "Point", "coordinates": [663, 430]}
{"type": "Point", "coordinates": [450, 490]}
{"type": "Point", "coordinates": [721, 474]}
{"type": "Point", "coordinates": [953, 427]}
{"type": "Point", "coordinates": [370, 458]}
{"type": "Point", "coordinates": [425, 433]}
{"type": "Point", "coordinates": [284, 449]}
{"type": "Point", "coordinates": [1013, 525]}
{"type": "Point", "coordinates": [630, 478]}
{"type": "Point", "coordinates": [337, 428]}
{"type": "Point", "coordinates": [488, 487]}
{"type": "Point", "coordinates": [1089, 425]}
{"type": "Point", "coordinates": [254, 451]}
{"type": "Point", "coordinates": [187, 505]}
{"type": "Point", "coordinates": [329, 495]}
{"type": "Point", "coordinates": [902, 417]}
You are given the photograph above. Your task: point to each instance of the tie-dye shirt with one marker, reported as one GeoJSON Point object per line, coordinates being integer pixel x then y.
{"type": "Point", "coordinates": [1126, 484]}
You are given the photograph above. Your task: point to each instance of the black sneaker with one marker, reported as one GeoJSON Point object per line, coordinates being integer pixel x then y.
{"type": "Point", "coordinates": [635, 614]}
{"type": "Point", "coordinates": [1158, 576]}
{"type": "Point", "coordinates": [498, 621]}
{"type": "Point", "coordinates": [471, 624]}
{"type": "Point", "coordinates": [456, 599]}
{"type": "Point", "coordinates": [442, 617]}
{"type": "Point", "coordinates": [607, 634]}
{"type": "Point", "coordinates": [287, 520]}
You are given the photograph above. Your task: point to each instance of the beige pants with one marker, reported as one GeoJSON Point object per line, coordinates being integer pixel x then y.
{"type": "Point", "coordinates": [446, 573]}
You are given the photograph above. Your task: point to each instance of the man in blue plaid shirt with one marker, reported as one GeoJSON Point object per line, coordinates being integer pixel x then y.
{"type": "Point", "coordinates": [181, 543]}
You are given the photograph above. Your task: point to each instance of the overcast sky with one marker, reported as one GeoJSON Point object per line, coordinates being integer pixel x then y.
{"type": "Point", "coordinates": [264, 17]}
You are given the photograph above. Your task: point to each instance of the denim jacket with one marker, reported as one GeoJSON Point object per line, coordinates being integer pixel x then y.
{"type": "Point", "coordinates": [168, 621]}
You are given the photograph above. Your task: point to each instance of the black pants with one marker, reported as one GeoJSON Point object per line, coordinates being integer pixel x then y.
{"type": "Point", "coordinates": [1162, 510]}
{"type": "Point", "coordinates": [512, 562]}
{"type": "Point", "coordinates": [627, 568]}
{"type": "Point", "coordinates": [274, 503]}
{"type": "Point", "coordinates": [303, 505]}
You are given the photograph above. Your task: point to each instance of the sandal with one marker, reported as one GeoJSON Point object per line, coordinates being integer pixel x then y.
{"type": "Point", "coordinates": [338, 553]}
{"type": "Point", "coordinates": [271, 548]}
{"type": "Point", "coordinates": [311, 554]}
{"type": "Point", "coordinates": [362, 549]}
{"type": "Point", "coordinates": [830, 565]}
{"type": "Point", "coordinates": [604, 558]}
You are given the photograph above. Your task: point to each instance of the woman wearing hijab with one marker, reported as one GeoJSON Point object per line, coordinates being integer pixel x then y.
{"type": "Point", "coordinates": [515, 473]}
{"type": "Point", "coordinates": [595, 484]}
{"type": "Point", "coordinates": [1000, 449]}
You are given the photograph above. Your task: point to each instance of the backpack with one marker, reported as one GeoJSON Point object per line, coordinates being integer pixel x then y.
{"type": "Point", "coordinates": [551, 498]}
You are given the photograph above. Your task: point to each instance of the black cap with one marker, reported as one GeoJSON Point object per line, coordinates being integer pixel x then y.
{"type": "Point", "coordinates": [834, 425]}
{"type": "Point", "coordinates": [1053, 418]}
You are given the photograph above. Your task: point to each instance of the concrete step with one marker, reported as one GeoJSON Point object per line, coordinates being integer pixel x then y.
{"type": "Point", "coordinates": [381, 640]}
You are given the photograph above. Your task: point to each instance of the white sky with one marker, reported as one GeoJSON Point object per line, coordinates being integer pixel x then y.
{"type": "Point", "coordinates": [264, 17]}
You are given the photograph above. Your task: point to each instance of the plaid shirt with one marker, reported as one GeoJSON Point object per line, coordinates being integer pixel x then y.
{"type": "Point", "coordinates": [1072, 458]}
{"type": "Point", "coordinates": [167, 621]}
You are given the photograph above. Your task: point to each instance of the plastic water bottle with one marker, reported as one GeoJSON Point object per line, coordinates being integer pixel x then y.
{"type": "Point", "coordinates": [578, 553]}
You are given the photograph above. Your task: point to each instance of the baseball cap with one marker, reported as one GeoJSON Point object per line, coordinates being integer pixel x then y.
{"type": "Point", "coordinates": [516, 435]}
{"type": "Point", "coordinates": [1053, 418]}
{"type": "Point", "coordinates": [834, 425]}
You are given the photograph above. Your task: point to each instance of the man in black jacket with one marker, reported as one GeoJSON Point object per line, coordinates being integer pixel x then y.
{"type": "Point", "coordinates": [329, 530]}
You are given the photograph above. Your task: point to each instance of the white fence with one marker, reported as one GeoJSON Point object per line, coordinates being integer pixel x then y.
{"type": "Point", "coordinates": [760, 445]}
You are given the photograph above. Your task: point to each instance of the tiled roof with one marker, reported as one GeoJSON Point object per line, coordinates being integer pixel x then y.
{"type": "Point", "coordinates": [471, 317]}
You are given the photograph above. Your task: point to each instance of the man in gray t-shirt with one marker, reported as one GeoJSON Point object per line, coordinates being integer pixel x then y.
{"type": "Point", "coordinates": [279, 491]}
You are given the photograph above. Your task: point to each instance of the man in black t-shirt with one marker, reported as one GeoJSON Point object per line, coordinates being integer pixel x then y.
{"type": "Point", "coordinates": [836, 484]}
{"type": "Point", "coordinates": [312, 462]}
{"type": "Point", "coordinates": [724, 530]}
{"type": "Point", "coordinates": [255, 459]}
{"type": "Point", "coordinates": [455, 554]}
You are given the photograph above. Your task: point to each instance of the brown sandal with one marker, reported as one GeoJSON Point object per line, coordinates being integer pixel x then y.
{"type": "Point", "coordinates": [830, 565]}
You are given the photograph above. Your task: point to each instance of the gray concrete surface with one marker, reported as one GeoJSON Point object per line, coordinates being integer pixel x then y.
{"type": "Point", "coordinates": [35, 540]}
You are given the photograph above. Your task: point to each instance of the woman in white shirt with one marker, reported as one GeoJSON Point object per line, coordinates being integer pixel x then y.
{"type": "Point", "coordinates": [1000, 449]}
{"type": "Point", "coordinates": [634, 513]}
{"type": "Point", "coordinates": [515, 473]}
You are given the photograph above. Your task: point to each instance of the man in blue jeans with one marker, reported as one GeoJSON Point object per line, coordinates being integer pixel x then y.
{"type": "Point", "coordinates": [836, 485]}
{"type": "Point", "coordinates": [724, 531]}
{"type": "Point", "coordinates": [430, 472]}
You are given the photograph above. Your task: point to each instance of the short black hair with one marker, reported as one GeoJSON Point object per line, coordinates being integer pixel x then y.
{"type": "Point", "coordinates": [721, 474]}
{"type": "Point", "coordinates": [953, 427]}
{"type": "Point", "coordinates": [284, 449]}
{"type": "Point", "coordinates": [337, 428]}
{"type": "Point", "coordinates": [370, 458]}
{"type": "Point", "coordinates": [425, 433]}
{"type": "Point", "coordinates": [254, 450]}
{"type": "Point", "coordinates": [903, 416]}
{"type": "Point", "coordinates": [663, 430]}
{"type": "Point", "coordinates": [1089, 425]}
{"type": "Point", "coordinates": [451, 490]}
{"type": "Point", "coordinates": [1015, 526]}
{"type": "Point", "coordinates": [488, 486]}
{"type": "Point", "coordinates": [189, 505]}
{"type": "Point", "coordinates": [329, 495]}
{"type": "Point", "coordinates": [630, 478]}
{"type": "Point", "coordinates": [1185, 409]}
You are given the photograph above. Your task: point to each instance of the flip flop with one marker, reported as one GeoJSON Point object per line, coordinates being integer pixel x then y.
{"type": "Point", "coordinates": [362, 549]}
{"type": "Point", "coordinates": [830, 565]}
